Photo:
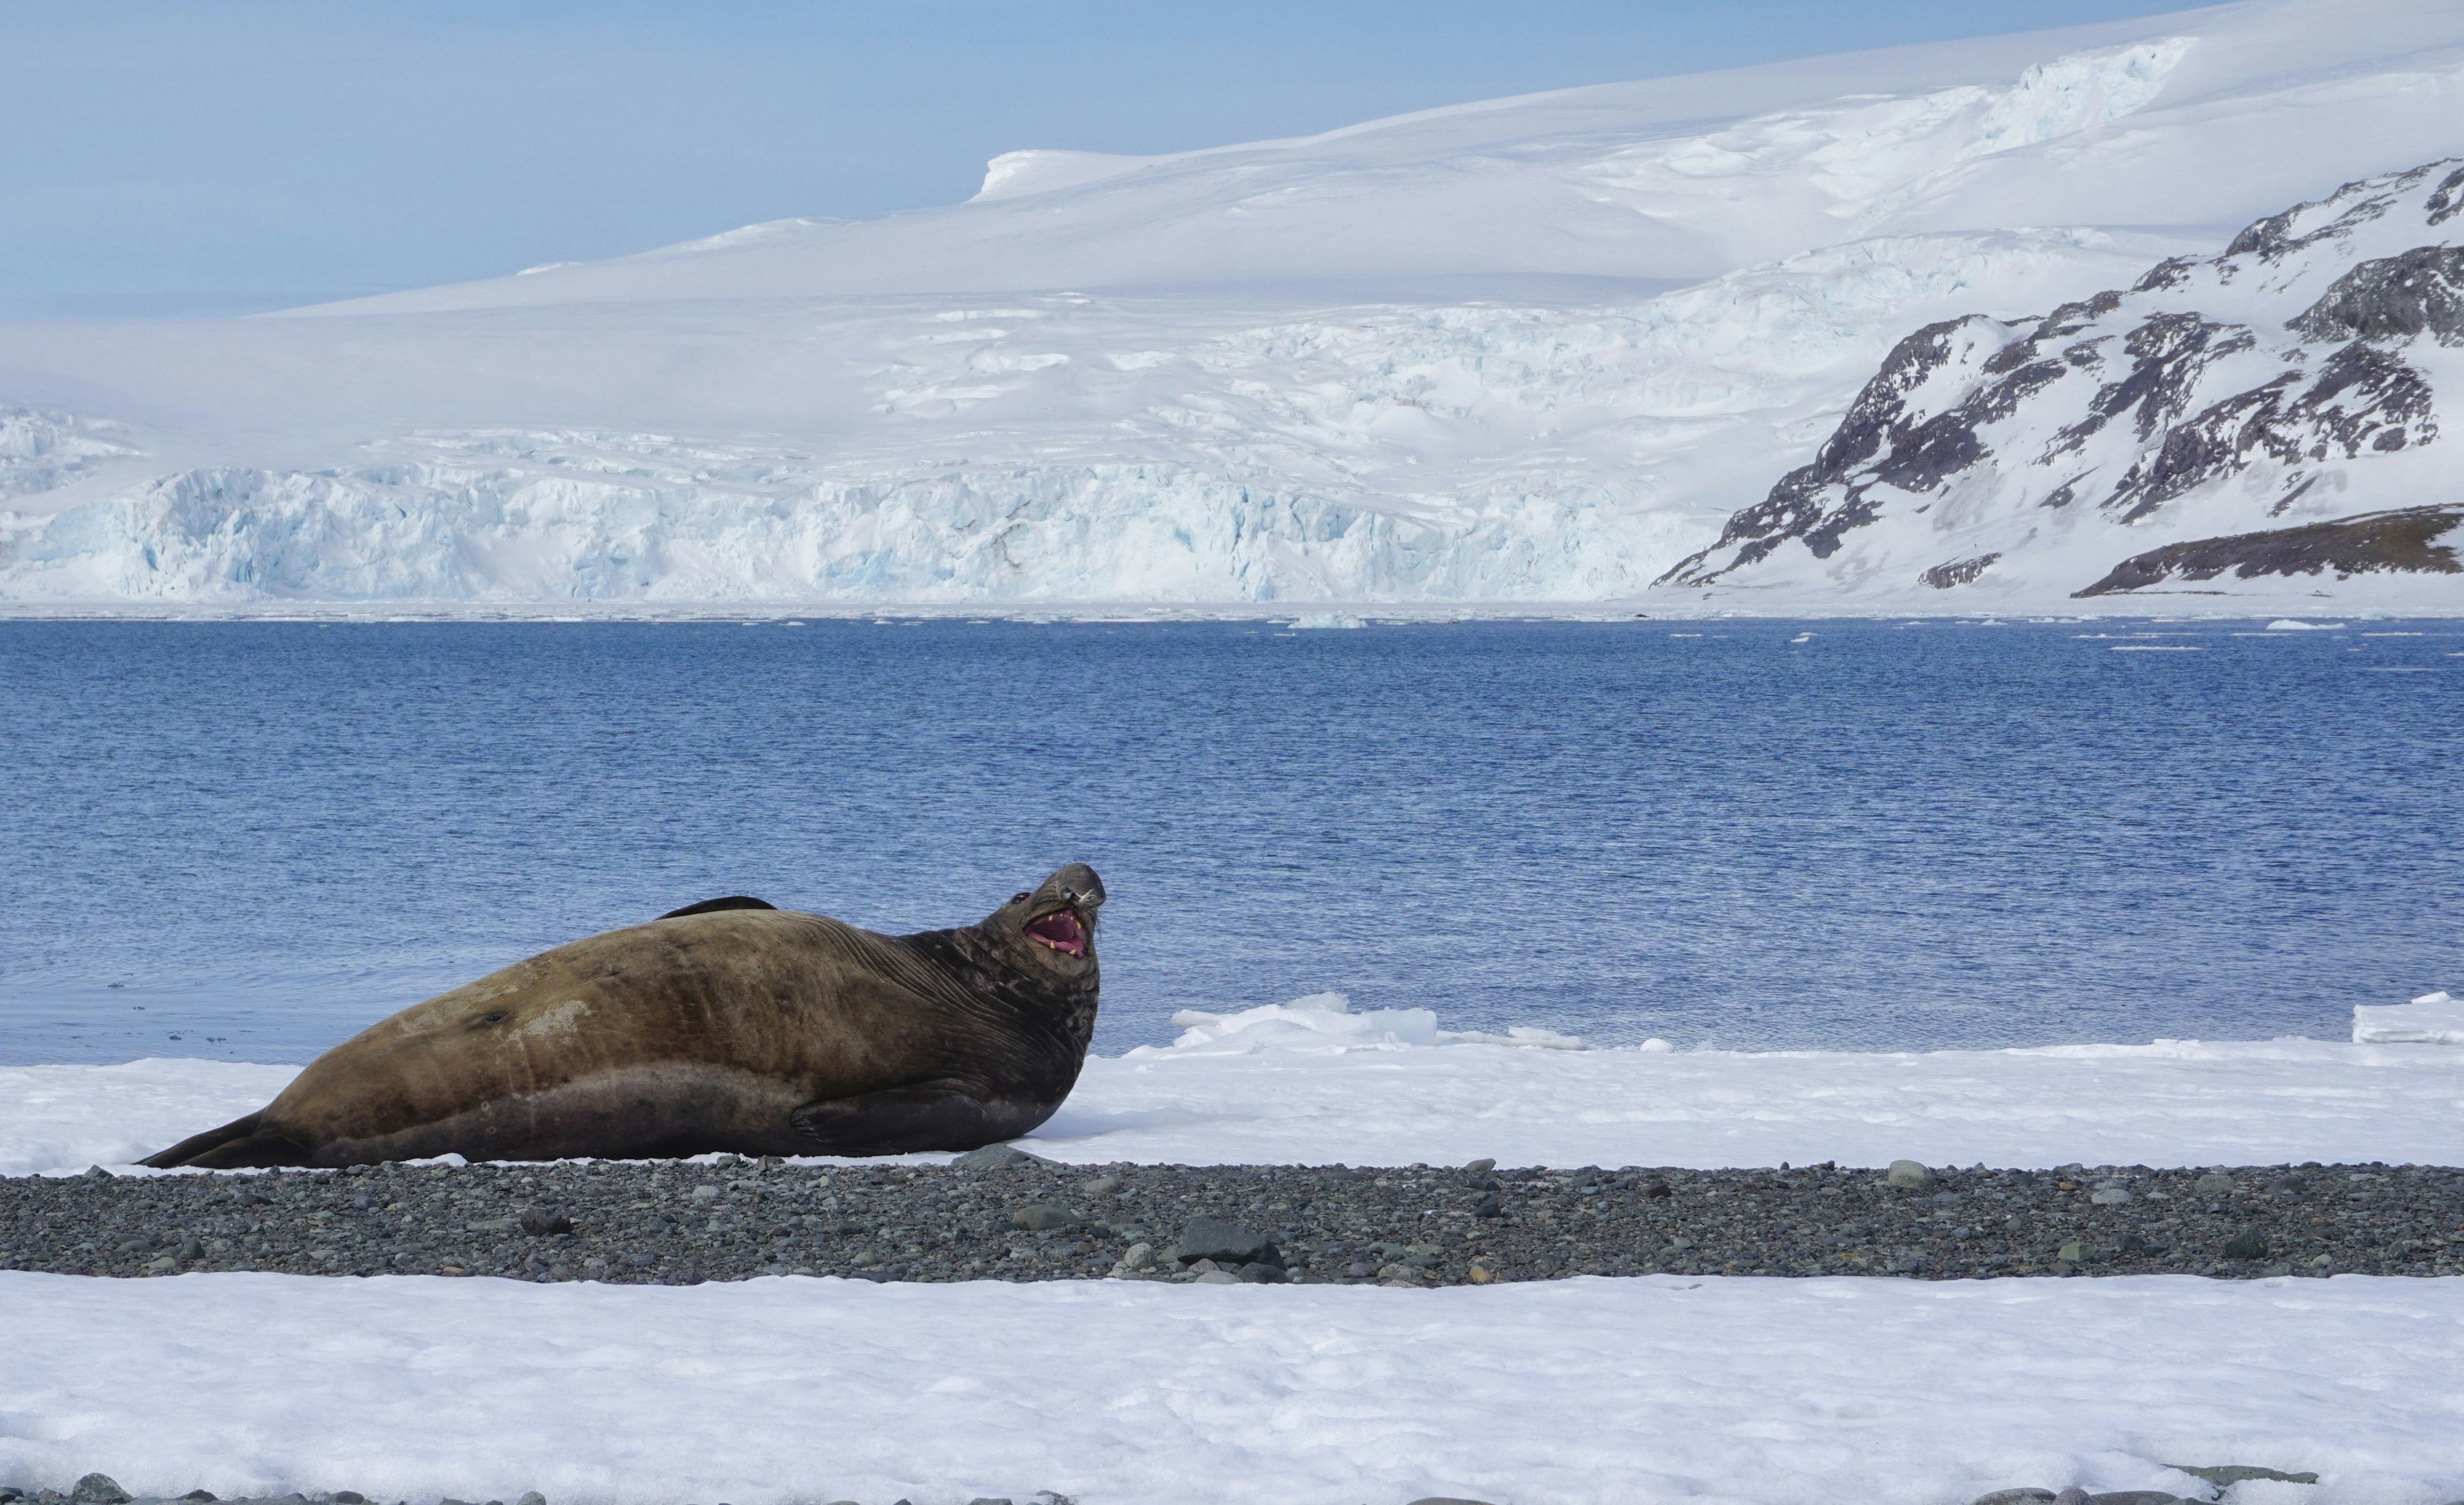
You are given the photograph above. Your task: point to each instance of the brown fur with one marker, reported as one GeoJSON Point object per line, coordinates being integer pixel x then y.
{"type": "Point", "coordinates": [760, 1030]}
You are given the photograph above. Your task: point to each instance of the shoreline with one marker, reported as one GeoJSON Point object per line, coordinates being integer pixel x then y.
{"type": "Point", "coordinates": [1003, 1215]}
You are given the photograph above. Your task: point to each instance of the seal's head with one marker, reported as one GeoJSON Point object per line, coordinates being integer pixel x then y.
{"type": "Point", "coordinates": [1054, 923]}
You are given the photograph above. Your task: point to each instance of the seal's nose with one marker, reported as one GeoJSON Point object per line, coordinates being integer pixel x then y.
{"type": "Point", "coordinates": [1078, 887]}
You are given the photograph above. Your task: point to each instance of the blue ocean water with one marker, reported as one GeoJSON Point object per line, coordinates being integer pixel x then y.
{"type": "Point", "coordinates": [248, 840]}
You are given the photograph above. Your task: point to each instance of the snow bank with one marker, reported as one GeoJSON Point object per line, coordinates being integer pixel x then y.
{"type": "Point", "coordinates": [1294, 1084]}
{"type": "Point", "coordinates": [1568, 1392]}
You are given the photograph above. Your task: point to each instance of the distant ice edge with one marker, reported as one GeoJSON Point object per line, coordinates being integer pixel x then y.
{"type": "Point", "coordinates": [524, 527]}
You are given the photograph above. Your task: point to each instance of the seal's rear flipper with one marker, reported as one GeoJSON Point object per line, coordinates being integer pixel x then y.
{"type": "Point", "coordinates": [237, 1143]}
{"type": "Point", "coordinates": [709, 905]}
{"type": "Point", "coordinates": [935, 1115]}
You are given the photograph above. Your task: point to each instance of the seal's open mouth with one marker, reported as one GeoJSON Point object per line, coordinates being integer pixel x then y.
{"type": "Point", "coordinates": [1061, 931]}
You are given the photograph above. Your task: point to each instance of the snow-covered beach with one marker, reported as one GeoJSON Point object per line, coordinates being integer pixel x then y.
{"type": "Point", "coordinates": [1575, 1390]}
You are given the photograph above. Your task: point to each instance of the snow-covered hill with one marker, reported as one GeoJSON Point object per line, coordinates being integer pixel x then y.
{"type": "Point", "coordinates": [2264, 416]}
{"type": "Point", "coordinates": [1534, 349]}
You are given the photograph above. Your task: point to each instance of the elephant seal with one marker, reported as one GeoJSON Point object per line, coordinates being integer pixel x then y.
{"type": "Point", "coordinates": [728, 1024]}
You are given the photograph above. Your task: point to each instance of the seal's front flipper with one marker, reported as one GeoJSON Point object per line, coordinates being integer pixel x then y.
{"type": "Point", "coordinates": [932, 1116]}
{"type": "Point", "coordinates": [710, 905]}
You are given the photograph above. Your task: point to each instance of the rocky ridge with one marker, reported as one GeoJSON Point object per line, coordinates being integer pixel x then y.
{"type": "Point", "coordinates": [2291, 382]}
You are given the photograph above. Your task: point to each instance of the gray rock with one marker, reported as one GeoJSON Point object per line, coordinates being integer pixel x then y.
{"type": "Point", "coordinates": [99, 1488]}
{"type": "Point", "coordinates": [1907, 1173]}
{"type": "Point", "coordinates": [2248, 1243]}
{"type": "Point", "coordinates": [1218, 1278]}
{"type": "Point", "coordinates": [2214, 1183]}
{"type": "Point", "coordinates": [2392, 299]}
{"type": "Point", "coordinates": [531, 1497]}
{"type": "Point", "coordinates": [989, 1499]}
{"type": "Point", "coordinates": [2074, 1496]}
{"type": "Point", "coordinates": [1101, 1185]}
{"type": "Point", "coordinates": [1489, 1208]}
{"type": "Point", "coordinates": [996, 1157]}
{"type": "Point", "coordinates": [1040, 1217]}
{"type": "Point", "coordinates": [1477, 1172]}
{"type": "Point", "coordinates": [2017, 1497]}
{"type": "Point", "coordinates": [539, 1223]}
{"type": "Point", "coordinates": [2139, 1497]}
{"type": "Point", "coordinates": [1263, 1274]}
{"type": "Point", "coordinates": [1226, 1242]}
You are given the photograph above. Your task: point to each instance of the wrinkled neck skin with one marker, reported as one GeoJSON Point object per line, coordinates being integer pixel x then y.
{"type": "Point", "coordinates": [986, 973]}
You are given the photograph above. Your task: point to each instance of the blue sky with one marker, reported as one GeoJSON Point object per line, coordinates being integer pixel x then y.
{"type": "Point", "coordinates": [186, 157]}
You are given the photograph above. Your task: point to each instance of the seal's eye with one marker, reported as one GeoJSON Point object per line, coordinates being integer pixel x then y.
{"type": "Point", "coordinates": [1019, 898]}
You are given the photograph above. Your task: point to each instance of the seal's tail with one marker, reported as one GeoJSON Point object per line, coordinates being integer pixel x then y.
{"type": "Point", "coordinates": [237, 1143]}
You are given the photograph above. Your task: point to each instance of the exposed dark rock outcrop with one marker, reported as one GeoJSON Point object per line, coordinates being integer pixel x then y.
{"type": "Point", "coordinates": [2394, 297]}
{"type": "Point", "coordinates": [1961, 572]}
{"type": "Point", "coordinates": [2402, 540]}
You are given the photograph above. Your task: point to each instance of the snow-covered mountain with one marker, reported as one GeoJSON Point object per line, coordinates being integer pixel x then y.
{"type": "Point", "coordinates": [1534, 349]}
{"type": "Point", "coordinates": [2264, 416]}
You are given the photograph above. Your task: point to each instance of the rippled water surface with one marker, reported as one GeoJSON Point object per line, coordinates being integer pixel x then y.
{"type": "Point", "coordinates": [250, 839]}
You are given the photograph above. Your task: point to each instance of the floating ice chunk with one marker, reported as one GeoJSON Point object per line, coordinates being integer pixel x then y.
{"type": "Point", "coordinates": [2290, 625]}
{"type": "Point", "coordinates": [2432, 1019]}
{"type": "Point", "coordinates": [1326, 619]}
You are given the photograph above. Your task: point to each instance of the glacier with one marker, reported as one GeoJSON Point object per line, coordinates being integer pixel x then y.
{"type": "Point", "coordinates": [1531, 352]}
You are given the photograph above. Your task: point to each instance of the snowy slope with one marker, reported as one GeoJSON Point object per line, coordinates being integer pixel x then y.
{"type": "Point", "coordinates": [1534, 349]}
{"type": "Point", "coordinates": [2267, 416]}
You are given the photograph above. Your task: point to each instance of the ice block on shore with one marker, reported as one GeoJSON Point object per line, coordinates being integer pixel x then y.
{"type": "Point", "coordinates": [2432, 1019]}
